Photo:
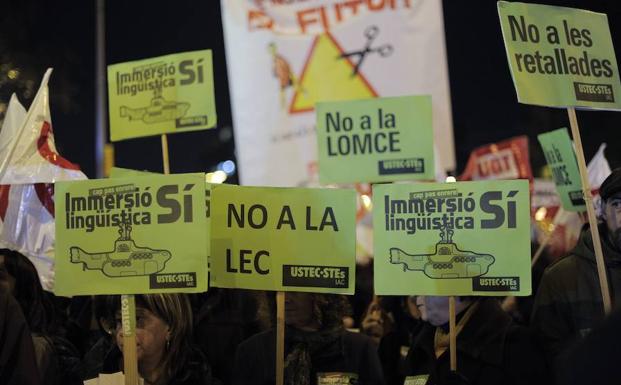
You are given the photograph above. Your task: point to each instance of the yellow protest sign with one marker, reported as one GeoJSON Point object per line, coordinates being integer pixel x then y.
{"type": "Point", "coordinates": [560, 57]}
{"type": "Point", "coordinates": [463, 238]}
{"type": "Point", "coordinates": [161, 95]}
{"type": "Point", "coordinates": [284, 239]}
{"type": "Point", "coordinates": [131, 235]}
{"type": "Point", "coordinates": [375, 140]}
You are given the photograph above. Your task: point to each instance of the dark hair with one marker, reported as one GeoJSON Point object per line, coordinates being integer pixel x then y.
{"type": "Point", "coordinates": [176, 312]}
{"type": "Point", "coordinates": [101, 310]}
{"type": "Point", "coordinates": [28, 292]}
{"type": "Point", "coordinates": [328, 310]}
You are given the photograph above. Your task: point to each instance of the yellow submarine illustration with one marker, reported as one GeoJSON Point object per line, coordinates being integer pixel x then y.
{"type": "Point", "coordinates": [160, 110]}
{"type": "Point", "coordinates": [447, 262]}
{"type": "Point", "coordinates": [126, 259]}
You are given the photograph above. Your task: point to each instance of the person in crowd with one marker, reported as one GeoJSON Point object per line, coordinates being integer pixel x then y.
{"type": "Point", "coordinates": [164, 348]}
{"type": "Point", "coordinates": [57, 359]}
{"type": "Point", "coordinates": [359, 302]}
{"type": "Point", "coordinates": [82, 325]}
{"type": "Point", "coordinates": [224, 319]}
{"type": "Point", "coordinates": [592, 360]}
{"type": "Point", "coordinates": [18, 365]}
{"type": "Point", "coordinates": [392, 315]}
{"type": "Point", "coordinates": [376, 321]}
{"type": "Point", "coordinates": [392, 322]}
{"type": "Point", "coordinates": [90, 366]}
{"type": "Point", "coordinates": [569, 302]}
{"type": "Point", "coordinates": [491, 349]}
{"type": "Point", "coordinates": [318, 349]}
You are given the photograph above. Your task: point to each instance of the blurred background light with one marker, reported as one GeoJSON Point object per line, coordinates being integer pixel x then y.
{"type": "Point", "coordinates": [218, 176]}
{"type": "Point", "coordinates": [541, 214]}
{"type": "Point", "coordinates": [228, 166]}
{"type": "Point", "coordinates": [366, 201]}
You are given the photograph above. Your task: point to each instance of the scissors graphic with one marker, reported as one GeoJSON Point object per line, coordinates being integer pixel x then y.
{"type": "Point", "coordinates": [370, 33]}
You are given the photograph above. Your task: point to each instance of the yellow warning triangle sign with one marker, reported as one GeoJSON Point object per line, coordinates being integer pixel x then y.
{"type": "Point", "coordinates": [327, 76]}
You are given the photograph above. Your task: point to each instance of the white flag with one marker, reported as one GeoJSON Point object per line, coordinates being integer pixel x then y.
{"type": "Point", "coordinates": [28, 152]}
{"type": "Point", "coordinates": [598, 168]}
{"type": "Point", "coordinates": [29, 165]}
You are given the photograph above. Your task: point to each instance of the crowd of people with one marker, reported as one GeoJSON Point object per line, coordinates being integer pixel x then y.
{"type": "Point", "coordinates": [228, 336]}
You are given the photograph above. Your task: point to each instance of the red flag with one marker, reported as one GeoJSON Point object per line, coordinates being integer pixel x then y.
{"type": "Point", "coordinates": [503, 160]}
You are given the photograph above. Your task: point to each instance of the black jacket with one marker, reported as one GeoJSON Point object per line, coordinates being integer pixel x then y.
{"type": "Point", "coordinates": [569, 301]}
{"type": "Point", "coordinates": [594, 360]}
{"type": "Point", "coordinates": [491, 349]}
{"type": "Point", "coordinates": [255, 362]}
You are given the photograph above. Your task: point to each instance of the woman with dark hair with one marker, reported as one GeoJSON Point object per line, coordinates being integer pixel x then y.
{"type": "Point", "coordinates": [57, 359]}
{"type": "Point", "coordinates": [166, 355]}
{"type": "Point", "coordinates": [318, 349]}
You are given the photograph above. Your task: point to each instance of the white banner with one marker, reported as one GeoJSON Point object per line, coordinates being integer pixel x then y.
{"type": "Point", "coordinates": [283, 56]}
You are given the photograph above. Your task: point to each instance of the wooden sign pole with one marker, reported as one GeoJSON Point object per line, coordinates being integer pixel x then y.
{"type": "Point", "coordinates": [128, 311]}
{"type": "Point", "coordinates": [128, 319]}
{"type": "Point", "coordinates": [165, 154]}
{"type": "Point", "coordinates": [452, 316]}
{"type": "Point", "coordinates": [452, 334]}
{"type": "Point", "coordinates": [280, 337]}
{"type": "Point", "coordinates": [588, 199]}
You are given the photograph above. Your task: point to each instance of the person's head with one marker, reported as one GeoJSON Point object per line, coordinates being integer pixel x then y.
{"type": "Point", "coordinates": [20, 278]}
{"type": "Point", "coordinates": [435, 310]}
{"type": "Point", "coordinates": [376, 321]}
{"type": "Point", "coordinates": [610, 192]}
{"type": "Point", "coordinates": [412, 308]}
{"type": "Point", "coordinates": [163, 331]}
{"type": "Point", "coordinates": [312, 311]}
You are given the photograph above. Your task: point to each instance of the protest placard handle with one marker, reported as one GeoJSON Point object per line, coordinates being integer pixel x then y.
{"type": "Point", "coordinates": [128, 320]}
{"type": "Point", "coordinates": [280, 337]}
{"type": "Point", "coordinates": [452, 334]}
{"type": "Point", "coordinates": [588, 199]}
{"type": "Point", "coordinates": [452, 331]}
{"type": "Point", "coordinates": [165, 154]}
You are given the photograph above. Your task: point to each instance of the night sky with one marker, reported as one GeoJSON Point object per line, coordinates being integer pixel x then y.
{"type": "Point", "coordinates": [35, 35]}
